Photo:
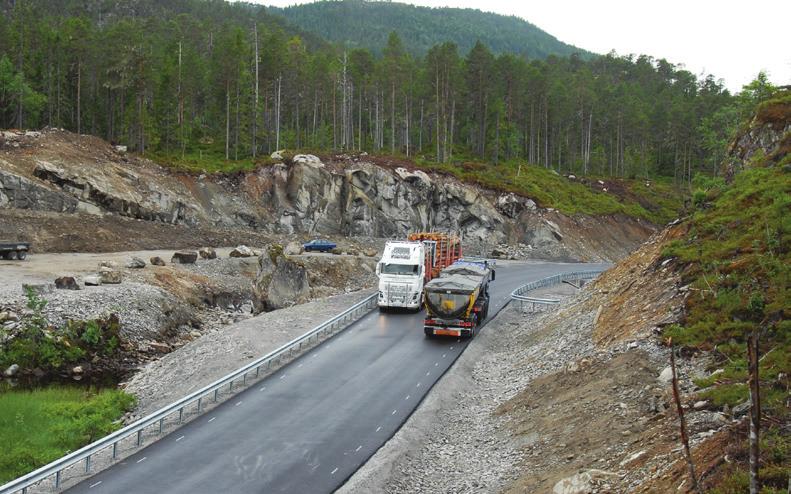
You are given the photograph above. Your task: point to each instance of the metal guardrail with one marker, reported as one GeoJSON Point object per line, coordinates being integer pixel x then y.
{"type": "Point", "coordinates": [520, 293]}
{"type": "Point", "coordinates": [212, 391]}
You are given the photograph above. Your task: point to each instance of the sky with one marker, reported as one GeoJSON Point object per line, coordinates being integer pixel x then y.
{"type": "Point", "coordinates": [733, 40]}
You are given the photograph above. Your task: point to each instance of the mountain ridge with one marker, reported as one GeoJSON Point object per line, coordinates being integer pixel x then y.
{"type": "Point", "coordinates": [364, 24]}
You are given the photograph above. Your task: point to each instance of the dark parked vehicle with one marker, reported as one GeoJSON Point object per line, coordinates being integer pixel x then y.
{"type": "Point", "coordinates": [14, 250]}
{"type": "Point", "coordinates": [318, 246]}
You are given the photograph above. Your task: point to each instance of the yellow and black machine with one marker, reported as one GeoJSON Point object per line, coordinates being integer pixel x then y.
{"type": "Point", "coordinates": [457, 302]}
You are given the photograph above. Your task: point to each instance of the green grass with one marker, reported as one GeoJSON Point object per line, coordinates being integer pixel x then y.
{"type": "Point", "coordinates": [736, 258]}
{"type": "Point", "coordinates": [39, 426]}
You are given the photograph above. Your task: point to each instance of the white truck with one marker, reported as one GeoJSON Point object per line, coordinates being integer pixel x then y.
{"type": "Point", "coordinates": [401, 275]}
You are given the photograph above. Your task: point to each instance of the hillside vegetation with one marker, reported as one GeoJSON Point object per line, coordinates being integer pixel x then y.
{"type": "Point", "coordinates": [179, 77]}
{"type": "Point", "coordinates": [364, 24]}
{"type": "Point", "coordinates": [736, 259]}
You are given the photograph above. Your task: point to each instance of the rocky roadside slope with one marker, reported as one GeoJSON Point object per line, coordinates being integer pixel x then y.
{"type": "Point", "coordinates": [563, 401]}
{"type": "Point", "coordinates": [53, 181]}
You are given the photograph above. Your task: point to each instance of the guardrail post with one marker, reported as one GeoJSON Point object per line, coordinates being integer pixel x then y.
{"type": "Point", "coordinates": [215, 394]}
{"type": "Point", "coordinates": [230, 386]}
{"type": "Point", "coordinates": [200, 402]}
{"type": "Point", "coordinates": [160, 424]}
{"type": "Point", "coordinates": [244, 379]}
{"type": "Point", "coordinates": [257, 371]}
{"type": "Point", "coordinates": [88, 464]}
{"type": "Point", "coordinates": [57, 480]}
{"type": "Point", "coordinates": [115, 450]}
{"type": "Point", "coordinates": [139, 437]}
{"type": "Point", "coordinates": [181, 414]}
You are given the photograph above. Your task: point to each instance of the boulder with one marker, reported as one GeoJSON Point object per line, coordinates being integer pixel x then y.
{"type": "Point", "coordinates": [108, 264]}
{"type": "Point", "coordinates": [66, 283]}
{"type": "Point", "coordinates": [157, 261]}
{"type": "Point", "coordinates": [109, 276]}
{"type": "Point", "coordinates": [277, 155]}
{"type": "Point", "coordinates": [184, 257]}
{"type": "Point", "coordinates": [293, 249]}
{"type": "Point", "coordinates": [242, 251]}
{"type": "Point", "coordinates": [370, 252]}
{"type": "Point", "coordinates": [12, 370]}
{"type": "Point", "coordinates": [207, 253]}
{"type": "Point", "coordinates": [8, 316]}
{"type": "Point", "coordinates": [136, 263]}
{"type": "Point", "coordinates": [583, 482]}
{"type": "Point", "coordinates": [77, 370]}
{"type": "Point", "coordinates": [666, 375]}
{"type": "Point", "coordinates": [308, 160]}
{"type": "Point", "coordinates": [280, 281]}
{"type": "Point", "coordinates": [92, 281]}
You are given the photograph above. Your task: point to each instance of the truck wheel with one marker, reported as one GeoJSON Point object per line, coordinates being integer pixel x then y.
{"type": "Point", "coordinates": [11, 255]}
{"type": "Point", "coordinates": [21, 255]}
{"type": "Point", "coordinates": [429, 333]}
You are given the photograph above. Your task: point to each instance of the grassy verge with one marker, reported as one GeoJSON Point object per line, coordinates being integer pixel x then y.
{"type": "Point", "coordinates": [39, 426]}
{"type": "Point", "coordinates": [736, 259]}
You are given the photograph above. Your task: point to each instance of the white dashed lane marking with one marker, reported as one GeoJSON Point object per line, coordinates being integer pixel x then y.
{"type": "Point", "coordinates": [358, 448]}
{"type": "Point", "coordinates": [212, 419]}
{"type": "Point", "coordinates": [94, 485]}
{"type": "Point", "coordinates": [238, 404]}
{"type": "Point", "coordinates": [142, 459]}
{"type": "Point", "coordinates": [379, 428]}
{"type": "Point", "coordinates": [262, 388]}
{"type": "Point", "coordinates": [418, 385]}
{"type": "Point", "coordinates": [333, 472]}
{"type": "Point", "coordinates": [180, 438]}
{"type": "Point", "coordinates": [281, 377]}
{"type": "Point", "coordinates": [407, 397]}
{"type": "Point", "coordinates": [394, 412]}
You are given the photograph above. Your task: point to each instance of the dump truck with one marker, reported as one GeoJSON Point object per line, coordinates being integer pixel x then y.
{"type": "Point", "coordinates": [14, 250]}
{"type": "Point", "coordinates": [407, 265]}
{"type": "Point", "coordinates": [457, 302]}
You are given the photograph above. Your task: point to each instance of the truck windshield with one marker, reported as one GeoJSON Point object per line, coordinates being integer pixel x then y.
{"type": "Point", "coordinates": [389, 268]}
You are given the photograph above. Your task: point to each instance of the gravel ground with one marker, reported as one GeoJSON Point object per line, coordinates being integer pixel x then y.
{"type": "Point", "coordinates": [223, 350]}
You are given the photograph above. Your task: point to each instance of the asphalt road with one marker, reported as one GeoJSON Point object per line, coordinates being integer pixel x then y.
{"type": "Point", "coordinates": [308, 427]}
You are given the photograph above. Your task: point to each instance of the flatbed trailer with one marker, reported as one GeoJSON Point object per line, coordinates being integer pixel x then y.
{"type": "Point", "coordinates": [14, 250]}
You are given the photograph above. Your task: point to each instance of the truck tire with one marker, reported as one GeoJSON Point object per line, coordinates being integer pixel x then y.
{"type": "Point", "coordinates": [21, 255]}
{"type": "Point", "coordinates": [429, 333]}
{"type": "Point", "coordinates": [11, 256]}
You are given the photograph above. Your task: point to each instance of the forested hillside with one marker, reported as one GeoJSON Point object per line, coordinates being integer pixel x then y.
{"type": "Point", "coordinates": [365, 24]}
{"type": "Point", "coordinates": [206, 79]}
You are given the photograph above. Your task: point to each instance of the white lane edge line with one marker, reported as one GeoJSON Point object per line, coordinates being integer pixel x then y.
{"type": "Point", "coordinates": [358, 448]}
{"type": "Point", "coordinates": [394, 412]}
{"type": "Point", "coordinates": [94, 485]}
{"type": "Point", "coordinates": [212, 419]}
{"type": "Point", "coordinates": [180, 438]}
{"type": "Point", "coordinates": [379, 428]}
{"type": "Point", "coordinates": [142, 459]}
{"type": "Point", "coordinates": [333, 472]}
{"type": "Point", "coordinates": [238, 404]}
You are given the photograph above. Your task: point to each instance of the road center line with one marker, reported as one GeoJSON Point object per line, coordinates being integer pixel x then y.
{"type": "Point", "coordinates": [300, 365]}
{"type": "Point", "coordinates": [180, 438]}
{"type": "Point", "coordinates": [358, 448]}
{"type": "Point", "coordinates": [94, 485]}
{"type": "Point", "coordinates": [394, 412]}
{"type": "Point", "coordinates": [444, 355]}
{"type": "Point", "coordinates": [142, 459]}
{"type": "Point", "coordinates": [281, 377]}
{"type": "Point", "coordinates": [379, 428]}
{"type": "Point", "coordinates": [418, 385]}
{"type": "Point", "coordinates": [238, 404]}
{"type": "Point", "coordinates": [262, 388]}
{"type": "Point", "coordinates": [436, 364]}
{"type": "Point", "coordinates": [212, 419]}
{"type": "Point", "coordinates": [333, 472]}
{"type": "Point", "coordinates": [407, 397]}
{"type": "Point", "coordinates": [451, 348]}
{"type": "Point", "coordinates": [428, 373]}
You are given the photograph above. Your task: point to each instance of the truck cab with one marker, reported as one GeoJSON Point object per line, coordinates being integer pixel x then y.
{"type": "Point", "coordinates": [401, 273]}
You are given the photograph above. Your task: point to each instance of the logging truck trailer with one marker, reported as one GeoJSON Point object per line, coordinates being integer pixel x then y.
{"type": "Point", "coordinates": [457, 302]}
{"type": "Point", "coordinates": [406, 266]}
{"type": "Point", "coordinates": [14, 250]}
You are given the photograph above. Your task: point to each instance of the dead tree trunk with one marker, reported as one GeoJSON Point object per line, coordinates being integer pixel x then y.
{"type": "Point", "coordinates": [755, 411]}
{"type": "Point", "coordinates": [682, 422]}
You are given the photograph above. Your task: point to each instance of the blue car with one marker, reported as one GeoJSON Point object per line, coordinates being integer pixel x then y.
{"type": "Point", "coordinates": [318, 246]}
